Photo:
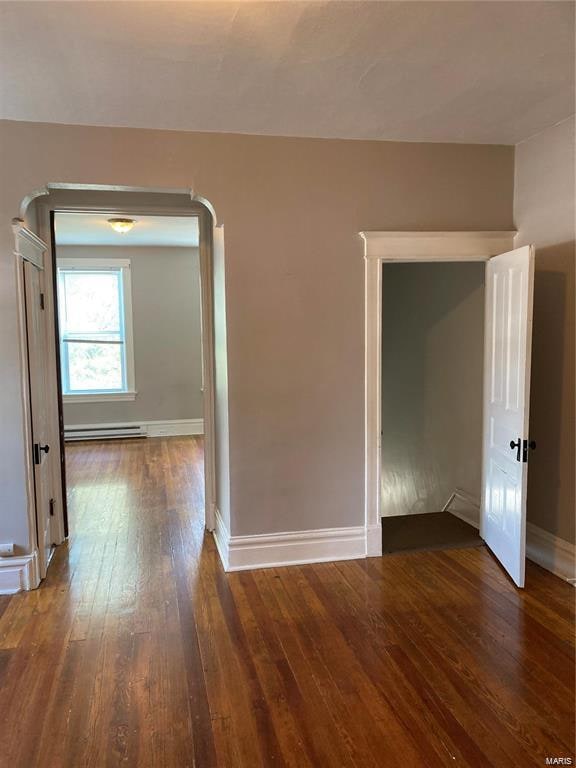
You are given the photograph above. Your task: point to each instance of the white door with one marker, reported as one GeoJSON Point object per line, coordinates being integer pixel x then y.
{"type": "Point", "coordinates": [508, 340]}
{"type": "Point", "coordinates": [37, 371]}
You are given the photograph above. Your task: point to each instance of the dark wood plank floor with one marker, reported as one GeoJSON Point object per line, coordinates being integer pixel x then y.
{"type": "Point", "coordinates": [139, 651]}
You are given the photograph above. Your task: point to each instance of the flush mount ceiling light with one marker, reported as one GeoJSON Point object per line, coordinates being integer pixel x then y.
{"type": "Point", "coordinates": [121, 225]}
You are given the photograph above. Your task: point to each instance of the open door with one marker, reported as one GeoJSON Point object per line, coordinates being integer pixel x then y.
{"type": "Point", "coordinates": [37, 372]}
{"type": "Point", "coordinates": [507, 344]}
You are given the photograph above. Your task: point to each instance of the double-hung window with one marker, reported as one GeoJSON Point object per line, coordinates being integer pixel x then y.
{"type": "Point", "coordinates": [95, 318]}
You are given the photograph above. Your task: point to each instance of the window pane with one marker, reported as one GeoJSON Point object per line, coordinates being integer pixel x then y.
{"type": "Point", "coordinates": [91, 303]}
{"type": "Point", "coordinates": [94, 366]}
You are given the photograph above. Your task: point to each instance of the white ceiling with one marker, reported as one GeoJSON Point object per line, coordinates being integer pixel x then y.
{"type": "Point", "coordinates": [93, 229]}
{"type": "Point", "coordinates": [494, 72]}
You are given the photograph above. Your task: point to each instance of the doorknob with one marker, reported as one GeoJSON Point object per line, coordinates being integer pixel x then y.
{"type": "Point", "coordinates": [518, 446]}
{"type": "Point", "coordinates": [37, 449]}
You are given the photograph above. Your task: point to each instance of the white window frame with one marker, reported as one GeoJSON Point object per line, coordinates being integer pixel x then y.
{"type": "Point", "coordinates": [113, 264]}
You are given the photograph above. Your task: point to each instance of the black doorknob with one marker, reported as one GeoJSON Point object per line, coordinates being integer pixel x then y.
{"type": "Point", "coordinates": [518, 445]}
{"type": "Point", "coordinates": [37, 452]}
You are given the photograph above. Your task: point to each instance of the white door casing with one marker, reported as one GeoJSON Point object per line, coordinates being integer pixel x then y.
{"type": "Point", "coordinates": [208, 367]}
{"type": "Point", "coordinates": [203, 211]}
{"type": "Point", "coordinates": [388, 246]}
{"type": "Point", "coordinates": [506, 439]}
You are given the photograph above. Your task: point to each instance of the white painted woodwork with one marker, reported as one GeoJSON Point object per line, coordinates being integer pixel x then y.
{"type": "Point", "coordinates": [19, 573]}
{"type": "Point", "coordinates": [124, 265]}
{"type": "Point", "coordinates": [274, 550]}
{"type": "Point", "coordinates": [380, 247]}
{"type": "Point", "coordinates": [435, 246]}
{"type": "Point", "coordinates": [37, 370]}
{"type": "Point", "coordinates": [207, 246]}
{"type": "Point", "coordinates": [507, 348]}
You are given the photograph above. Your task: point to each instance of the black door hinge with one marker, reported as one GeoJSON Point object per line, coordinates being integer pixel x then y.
{"type": "Point", "coordinates": [525, 446]}
{"type": "Point", "coordinates": [41, 301]}
{"type": "Point", "coordinates": [52, 503]}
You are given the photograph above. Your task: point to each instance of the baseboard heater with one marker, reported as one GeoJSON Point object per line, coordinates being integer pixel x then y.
{"type": "Point", "coordinates": [104, 433]}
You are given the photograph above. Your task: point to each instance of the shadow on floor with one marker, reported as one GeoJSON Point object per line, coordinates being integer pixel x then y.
{"type": "Point", "coordinates": [434, 530]}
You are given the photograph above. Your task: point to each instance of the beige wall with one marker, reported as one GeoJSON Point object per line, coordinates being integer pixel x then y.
{"type": "Point", "coordinates": [432, 371]}
{"type": "Point", "coordinates": [292, 210]}
{"type": "Point", "coordinates": [167, 338]}
{"type": "Point", "coordinates": [544, 210]}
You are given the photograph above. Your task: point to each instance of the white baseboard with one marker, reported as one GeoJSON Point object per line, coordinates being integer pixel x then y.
{"type": "Point", "coordinates": [470, 513]}
{"type": "Point", "coordinates": [221, 537]}
{"type": "Point", "coordinates": [239, 553]}
{"type": "Point", "coordinates": [374, 541]}
{"type": "Point", "coordinates": [273, 550]}
{"type": "Point", "coordinates": [551, 552]}
{"type": "Point", "coordinates": [170, 428]}
{"type": "Point", "coordinates": [19, 573]}
{"type": "Point", "coordinates": [175, 428]}
{"type": "Point", "coordinates": [467, 515]}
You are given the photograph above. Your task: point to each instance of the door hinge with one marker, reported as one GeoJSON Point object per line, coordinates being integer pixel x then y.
{"type": "Point", "coordinates": [41, 301]}
{"type": "Point", "coordinates": [525, 446]}
{"type": "Point", "coordinates": [52, 504]}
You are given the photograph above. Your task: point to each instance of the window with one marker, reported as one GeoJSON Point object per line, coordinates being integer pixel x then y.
{"type": "Point", "coordinates": [95, 308]}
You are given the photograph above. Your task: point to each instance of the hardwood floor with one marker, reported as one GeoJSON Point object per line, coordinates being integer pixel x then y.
{"type": "Point", "coordinates": [138, 650]}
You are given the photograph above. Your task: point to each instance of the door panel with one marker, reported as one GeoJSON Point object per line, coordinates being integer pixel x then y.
{"type": "Point", "coordinates": [508, 340]}
{"type": "Point", "coordinates": [37, 372]}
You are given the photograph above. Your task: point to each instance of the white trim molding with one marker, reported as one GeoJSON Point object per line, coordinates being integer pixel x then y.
{"type": "Point", "coordinates": [551, 552]}
{"type": "Point", "coordinates": [19, 573]}
{"type": "Point", "coordinates": [436, 246]}
{"type": "Point", "coordinates": [171, 428]}
{"type": "Point", "coordinates": [221, 537]}
{"type": "Point", "coordinates": [380, 247]}
{"type": "Point", "coordinates": [274, 550]}
{"type": "Point", "coordinates": [470, 515]}
{"type": "Point", "coordinates": [98, 397]}
{"type": "Point", "coordinates": [28, 246]}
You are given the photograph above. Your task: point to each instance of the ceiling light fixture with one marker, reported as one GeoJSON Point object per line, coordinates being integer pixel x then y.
{"type": "Point", "coordinates": [121, 225]}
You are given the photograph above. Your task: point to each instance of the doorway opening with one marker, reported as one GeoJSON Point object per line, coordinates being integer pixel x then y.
{"type": "Point", "coordinates": [432, 374]}
{"type": "Point", "coordinates": [119, 359]}
{"type": "Point", "coordinates": [129, 332]}
{"type": "Point", "coordinates": [505, 379]}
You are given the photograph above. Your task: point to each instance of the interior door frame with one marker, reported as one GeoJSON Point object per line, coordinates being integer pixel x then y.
{"type": "Point", "coordinates": [199, 209]}
{"type": "Point", "coordinates": [382, 247]}
{"type": "Point", "coordinates": [27, 247]}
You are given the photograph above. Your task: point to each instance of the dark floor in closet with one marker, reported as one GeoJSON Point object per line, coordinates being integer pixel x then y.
{"type": "Point", "coordinates": [434, 530]}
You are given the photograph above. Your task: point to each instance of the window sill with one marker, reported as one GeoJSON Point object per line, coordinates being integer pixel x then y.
{"type": "Point", "coordinates": [99, 397]}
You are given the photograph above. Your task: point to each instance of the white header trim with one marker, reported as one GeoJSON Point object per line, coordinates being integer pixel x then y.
{"type": "Point", "coordinates": [436, 246]}
{"type": "Point", "coordinates": [88, 263]}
